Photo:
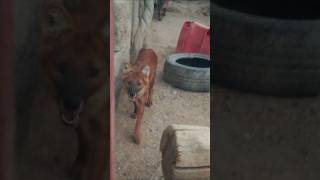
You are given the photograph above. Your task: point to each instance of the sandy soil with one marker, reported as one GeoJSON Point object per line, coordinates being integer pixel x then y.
{"type": "Point", "coordinates": [170, 105]}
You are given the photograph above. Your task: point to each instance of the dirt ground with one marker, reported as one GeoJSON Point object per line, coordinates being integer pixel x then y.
{"type": "Point", "coordinates": [170, 105]}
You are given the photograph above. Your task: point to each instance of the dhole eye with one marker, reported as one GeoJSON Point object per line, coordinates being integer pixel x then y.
{"type": "Point", "coordinates": [93, 72]}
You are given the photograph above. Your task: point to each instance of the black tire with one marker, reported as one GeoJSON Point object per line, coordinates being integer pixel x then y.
{"type": "Point", "coordinates": [187, 77]}
{"type": "Point", "coordinates": [268, 55]}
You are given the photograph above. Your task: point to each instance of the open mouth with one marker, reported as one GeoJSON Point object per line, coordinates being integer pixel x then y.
{"type": "Point", "coordinates": [70, 117]}
{"type": "Point", "coordinates": [132, 98]}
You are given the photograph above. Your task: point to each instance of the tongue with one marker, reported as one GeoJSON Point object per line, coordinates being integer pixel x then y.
{"type": "Point", "coordinates": [131, 98]}
{"type": "Point", "coordinates": [70, 118]}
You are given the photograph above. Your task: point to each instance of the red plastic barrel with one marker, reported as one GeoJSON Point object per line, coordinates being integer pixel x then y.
{"type": "Point", "coordinates": [194, 38]}
{"type": "Point", "coordinates": [205, 45]}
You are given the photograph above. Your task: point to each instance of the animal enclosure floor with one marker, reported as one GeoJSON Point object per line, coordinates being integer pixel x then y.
{"type": "Point", "coordinates": [170, 105]}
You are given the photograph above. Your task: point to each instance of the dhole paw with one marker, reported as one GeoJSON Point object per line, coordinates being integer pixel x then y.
{"type": "Point", "coordinates": [133, 115]}
{"type": "Point", "coordinates": [136, 139]}
{"type": "Point", "coordinates": [149, 103]}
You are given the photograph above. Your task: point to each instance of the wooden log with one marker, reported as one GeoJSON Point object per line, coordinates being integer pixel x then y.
{"type": "Point", "coordinates": [185, 152]}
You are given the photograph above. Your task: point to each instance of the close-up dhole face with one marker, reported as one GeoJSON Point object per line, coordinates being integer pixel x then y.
{"type": "Point", "coordinates": [135, 81]}
{"type": "Point", "coordinates": [76, 72]}
{"type": "Point", "coordinates": [74, 60]}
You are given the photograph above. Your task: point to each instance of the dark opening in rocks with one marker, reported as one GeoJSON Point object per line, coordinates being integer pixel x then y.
{"type": "Point", "coordinates": [194, 62]}
{"type": "Point", "coordinates": [271, 8]}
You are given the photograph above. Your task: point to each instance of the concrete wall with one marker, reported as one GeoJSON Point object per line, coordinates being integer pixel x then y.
{"type": "Point", "coordinates": [131, 21]}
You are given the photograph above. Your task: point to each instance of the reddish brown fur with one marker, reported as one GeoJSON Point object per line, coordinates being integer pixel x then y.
{"type": "Point", "coordinates": [75, 61]}
{"type": "Point", "coordinates": [134, 73]}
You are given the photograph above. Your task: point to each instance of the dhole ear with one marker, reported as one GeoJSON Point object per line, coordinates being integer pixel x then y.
{"type": "Point", "coordinates": [146, 70]}
{"type": "Point", "coordinates": [92, 14]}
{"type": "Point", "coordinates": [55, 20]}
{"type": "Point", "coordinates": [126, 68]}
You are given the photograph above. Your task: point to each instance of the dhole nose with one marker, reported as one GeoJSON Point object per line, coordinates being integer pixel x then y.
{"type": "Point", "coordinates": [71, 104]}
{"type": "Point", "coordinates": [131, 93]}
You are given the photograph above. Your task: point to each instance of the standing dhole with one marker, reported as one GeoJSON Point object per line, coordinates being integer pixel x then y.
{"type": "Point", "coordinates": [138, 80]}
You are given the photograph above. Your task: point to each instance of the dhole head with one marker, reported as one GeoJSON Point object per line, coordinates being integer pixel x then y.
{"type": "Point", "coordinates": [75, 62]}
{"type": "Point", "coordinates": [135, 80]}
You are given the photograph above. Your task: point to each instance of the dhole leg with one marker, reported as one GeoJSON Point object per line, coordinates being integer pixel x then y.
{"type": "Point", "coordinates": [150, 93]}
{"type": "Point", "coordinates": [79, 167]}
{"type": "Point", "coordinates": [92, 153]}
{"type": "Point", "coordinates": [137, 130]}
{"type": "Point", "coordinates": [159, 10]}
{"type": "Point", "coordinates": [98, 154]}
{"type": "Point", "coordinates": [134, 114]}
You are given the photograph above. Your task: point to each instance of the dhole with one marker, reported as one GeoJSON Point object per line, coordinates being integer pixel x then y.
{"type": "Point", "coordinates": [138, 80]}
{"type": "Point", "coordinates": [75, 61]}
